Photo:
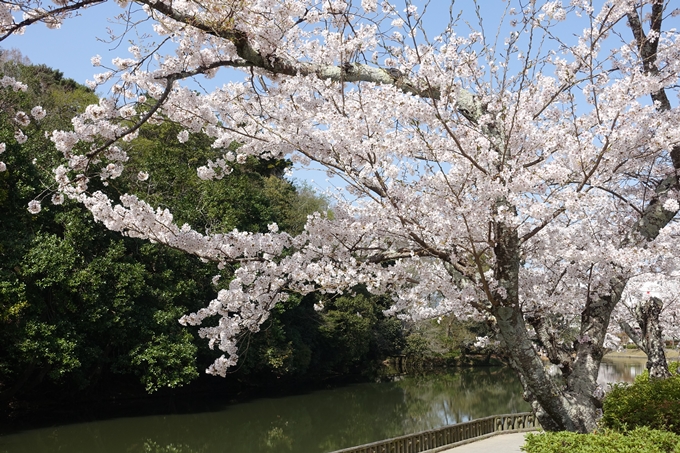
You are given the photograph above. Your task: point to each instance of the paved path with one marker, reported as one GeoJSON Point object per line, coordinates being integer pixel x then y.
{"type": "Point", "coordinates": [501, 443]}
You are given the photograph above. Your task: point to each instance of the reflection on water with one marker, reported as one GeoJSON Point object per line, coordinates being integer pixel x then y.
{"type": "Point", "coordinates": [620, 370]}
{"type": "Point", "coordinates": [447, 398]}
{"type": "Point", "coordinates": [319, 421]}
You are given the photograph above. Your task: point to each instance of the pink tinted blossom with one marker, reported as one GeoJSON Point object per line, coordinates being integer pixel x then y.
{"type": "Point", "coordinates": [34, 206]}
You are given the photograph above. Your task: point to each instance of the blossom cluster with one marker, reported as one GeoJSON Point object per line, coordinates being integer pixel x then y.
{"type": "Point", "coordinates": [447, 149]}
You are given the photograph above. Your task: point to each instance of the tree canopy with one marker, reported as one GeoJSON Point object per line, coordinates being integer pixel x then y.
{"type": "Point", "coordinates": [521, 174]}
{"type": "Point", "coordinates": [84, 308]}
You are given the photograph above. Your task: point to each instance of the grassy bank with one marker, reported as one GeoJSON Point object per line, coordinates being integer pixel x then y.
{"type": "Point", "coordinates": [671, 354]}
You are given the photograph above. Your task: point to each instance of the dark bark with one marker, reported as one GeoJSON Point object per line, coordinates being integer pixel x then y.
{"type": "Point", "coordinates": [557, 408]}
{"type": "Point", "coordinates": [650, 338]}
{"type": "Point", "coordinates": [570, 407]}
{"type": "Point", "coordinates": [558, 352]}
{"type": "Point", "coordinates": [655, 217]}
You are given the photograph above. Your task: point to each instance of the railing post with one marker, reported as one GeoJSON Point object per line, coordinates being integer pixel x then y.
{"type": "Point", "coordinates": [428, 440]}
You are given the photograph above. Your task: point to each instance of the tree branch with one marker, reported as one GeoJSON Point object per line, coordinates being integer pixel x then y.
{"type": "Point", "coordinates": [46, 15]}
{"type": "Point", "coordinates": [654, 217]}
{"type": "Point", "coordinates": [632, 335]}
{"type": "Point", "coordinates": [348, 72]}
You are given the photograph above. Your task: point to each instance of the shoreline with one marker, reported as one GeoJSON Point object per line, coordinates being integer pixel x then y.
{"type": "Point", "coordinates": [671, 354]}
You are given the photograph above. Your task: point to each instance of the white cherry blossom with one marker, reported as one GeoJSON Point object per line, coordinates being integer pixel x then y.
{"type": "Point", "coordinates": [523, 182]}
{"type": "Point", "coordinates": [34, 207]}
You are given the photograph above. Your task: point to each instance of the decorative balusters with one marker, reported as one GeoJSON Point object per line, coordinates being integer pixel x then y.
{"type": "Point", "coordinates": [449, 435]}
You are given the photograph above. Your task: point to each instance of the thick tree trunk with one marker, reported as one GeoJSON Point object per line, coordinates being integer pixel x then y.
{"type": "Point", "coordinates": [574, 407]}
{"type": "Point", "coordinates": [650, 339]}
{"type": "Point", "coordinates": [557, 408]}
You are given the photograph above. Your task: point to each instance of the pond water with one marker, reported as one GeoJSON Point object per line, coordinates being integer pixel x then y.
{"type": "Point", "coordinates": [314, 422]}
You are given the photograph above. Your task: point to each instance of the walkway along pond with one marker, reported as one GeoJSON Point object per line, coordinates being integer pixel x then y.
{"type": "Point", "coordinates": [452, 435]}
{"type": "Point", "coordinates": [316, 422]}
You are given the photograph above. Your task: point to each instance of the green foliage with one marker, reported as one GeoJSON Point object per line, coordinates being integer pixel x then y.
{"type": "Point", "coordinates": [295, 211]}
{"type": "Point", "coordinates": [354, 333]}
{"type": "Point", "coordinates": [151, 446]}
{"type": "Point", "coordinates": [250, 198]}
{"type": "Point", "coordinates": [81, 306]}
{"type": "Point", "coordinates": [349, 336]}
{"type": "Point", "coordinates": [446, 340]}
{"type": "Point", "coordinates": [283, 347]}
{"type": "Point", "coordinates": [417, 346]}
{"type": "Point", "coordinates": [639, 440]}
{"type": "Point", "coordinates": [654, 403]}
{"type": "Point", "coordinates": [167, 361]}
{"type": "Point", "coordinates": [347, 325]}
{"type": "Point", "coordinates": [95, 302]}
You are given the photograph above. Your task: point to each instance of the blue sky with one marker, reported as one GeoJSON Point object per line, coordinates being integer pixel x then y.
{"type": "Point", "coordinates": [70, 48]}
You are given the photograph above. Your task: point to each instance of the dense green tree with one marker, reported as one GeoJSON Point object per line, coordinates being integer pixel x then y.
{"type": "Point", "coordinates": [80, 305]}
{"type": "Point", "coordinates": [349, 336]}
{"type": "Point", "coordinates": [251, 197]}
{"type": "Point", "coordinates": [77, 302]}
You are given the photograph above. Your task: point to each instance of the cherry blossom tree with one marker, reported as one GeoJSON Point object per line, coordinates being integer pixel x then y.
{"type": "Point", "coordinates": [520, 174]}
{"type": "Point", "coordinates": [645, 299]}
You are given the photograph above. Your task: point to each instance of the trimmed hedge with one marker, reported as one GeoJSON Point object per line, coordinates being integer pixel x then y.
{"type": "Point", "coordinates": [642, 418]}
{"type": "Point", "coordinates": [651, 403]}
{"type": "Point", "coordinates": [639, 440]}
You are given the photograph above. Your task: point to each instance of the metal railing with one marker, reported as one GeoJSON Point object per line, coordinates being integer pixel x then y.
{"type": "Point", "coordinates": [448, 435]}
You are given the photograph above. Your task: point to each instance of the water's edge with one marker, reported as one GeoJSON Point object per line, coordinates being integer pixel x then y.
{"type": "Point", "coordinates": [310, 422]}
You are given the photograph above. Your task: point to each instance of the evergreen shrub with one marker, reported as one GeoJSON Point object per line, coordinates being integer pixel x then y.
{"type": "Point", "coordinates": [652, 403]}
{"type": "Point", "coordinates": [639, 440]}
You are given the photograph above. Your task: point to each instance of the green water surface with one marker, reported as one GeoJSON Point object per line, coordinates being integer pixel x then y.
{"type": "Point", "coordinates": [314, 422]}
